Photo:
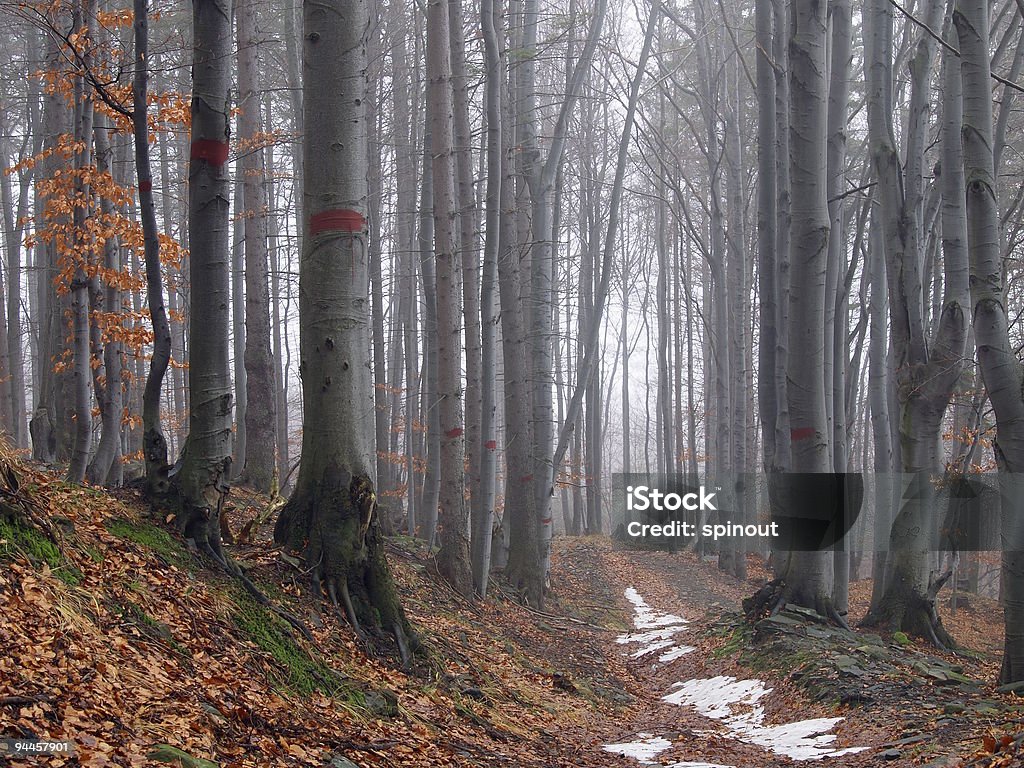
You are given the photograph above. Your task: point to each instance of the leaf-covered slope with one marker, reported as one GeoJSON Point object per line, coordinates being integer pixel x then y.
{"type": "Point", "coordinates": [122, 641]}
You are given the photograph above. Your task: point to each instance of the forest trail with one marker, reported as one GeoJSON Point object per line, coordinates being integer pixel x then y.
{"type": "Point", "coordinates": [670, 601]}
{"type": "Point", "coordinates": [708, 695]}
{"type": "Point", "coordinates": [124, 644]}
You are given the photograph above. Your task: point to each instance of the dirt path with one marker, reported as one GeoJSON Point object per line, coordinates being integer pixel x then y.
{"type": "Point", "coordinates": [592, 578]}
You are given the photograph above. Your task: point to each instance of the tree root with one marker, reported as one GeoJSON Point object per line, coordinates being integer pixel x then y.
{"type": "Point", "coordinates": [345, 609]}
{"type": "Point", "coordinates": [403, 643]}
{"type": "Point", "coordinates": [773, 598]}
{"type": "Point", "coordinates": [232, 569]}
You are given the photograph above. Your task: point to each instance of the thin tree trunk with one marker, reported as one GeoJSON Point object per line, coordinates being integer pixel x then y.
{"type": "Point", "coordinates": [207, 453]}
{"type": "Point", "coordinates": [109, 449]}
{"type": "Point", "coordinates": [483, 502]}
{"type": "Point", "coordinates": [260, 390]}
{"type": "Point", "coordinates": [239, 224]}
{"type": "Point", "coordinates": [453, 559]}
{"type": "Point", "coordinates": [430, 391]}
{"type": "Point", "coordinates": [277, 320]}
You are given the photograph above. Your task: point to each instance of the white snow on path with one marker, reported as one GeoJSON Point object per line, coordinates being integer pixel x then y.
{"type": "Point", "coordinates": [645, 748]}
{"type": "Point", "coordinates": [716, 698]}
{"type": "Point", "coordinates": [660, 629]}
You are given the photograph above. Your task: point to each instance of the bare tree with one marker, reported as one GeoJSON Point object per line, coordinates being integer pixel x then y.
{"type": "Point", "coordinates": [261, 406]}
{"type": "Point", "coordinates": [331, 515]}
{"type": "Point", "coordinates": [206, 458]}
{"type": "Point", "coordinates": [1000, 368]}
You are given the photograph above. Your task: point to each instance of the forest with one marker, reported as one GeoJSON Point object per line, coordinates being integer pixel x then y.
{"type": "Point", "coordinates": [374, 375]}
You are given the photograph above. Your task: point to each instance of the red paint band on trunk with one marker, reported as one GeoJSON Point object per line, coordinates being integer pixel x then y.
{"type": "Point", "coordinates": [337, 220]}
{"type": "Point", "coordinates": [145, 186]}
{"type": "Point", "coordinates": [802, 433]}
{"type": "Point", "coordinates": [490, 445]}
{"type": "Point", "coordinates": [453, 432]}
{"type": "Point", "coordinates": [547, 521]}
{"type": "Point", "coordinates": [213, 152]}
{"type": "Point", "coordinates": [526, 479]}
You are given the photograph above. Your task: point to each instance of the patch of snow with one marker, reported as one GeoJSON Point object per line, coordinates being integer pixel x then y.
{"type": "Point", "coordinates": [650, 636]}
{"type": "Point", "coordinates": [715, 698]}
{"type": "Point", "coordinates": [719, 698]}
{"type": "Point", "coordinates": [661, 644]}
{"type": "Point", "coordinates": [674, 653]}
{"type": "Point", "coordinates": [645, 748]}
{"type": "Point", "coordinates": [646, 617]}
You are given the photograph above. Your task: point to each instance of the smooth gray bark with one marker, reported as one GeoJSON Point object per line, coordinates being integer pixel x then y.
{"type": "Point", "coordinates": [206, 457]}
{"type": "Point", "coordinates": [453, 559]}
{"type": "Point", "coordinates": [1001, 370]}
{"type": "Point", "coordinates": [260, 391]}
{"type": "Point", "coordinates": [332, 515]}
{"type": "Point", "coordinates": [483, 502]}
{"type": "Point", "coordinates": [154, 444]}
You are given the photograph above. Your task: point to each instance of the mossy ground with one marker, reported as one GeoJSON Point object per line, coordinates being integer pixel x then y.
{"type": "Point", "coordinates": [16, 537]}
{"type": "Point", "coordinates": [299, 672]}
{"type": "Point", "coordinates": [152, 537]}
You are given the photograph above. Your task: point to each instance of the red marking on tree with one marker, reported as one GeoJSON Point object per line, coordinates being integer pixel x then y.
{"type": "Point", "coordinates": [546, 521]}
{"type": "Point", "coordinates": [490, 445]}
{"type": "Point", "coordinates": [453, 432]}
{"type": "Point", "coordinates": [337, 220]}
{"type": "Point", "coordinates": [213, 152]}
{"type": "Point", "coordinates": [526, 478]}
{"type": "Point", "coordinates": [802, 433]}
{"type": "Point", "coordinates": [145, 186]}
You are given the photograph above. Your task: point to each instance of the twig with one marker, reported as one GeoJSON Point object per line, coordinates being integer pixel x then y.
{"type": "Point", "coordinates": [932, 33]}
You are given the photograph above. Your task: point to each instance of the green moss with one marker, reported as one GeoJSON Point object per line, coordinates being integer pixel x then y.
{"type": "Point", "coordinates": [16, 538]}
{"type": "Point", "coordinates": [737, 640]}
{"type": "Point", "coordinates": [130, 611]}
{"type": "Point", "coordinates": [901, 638]}
{"type": "Point", "coordinates": [297, 670]}
{"type": "Point", "coordinates": [69, 575]}
{"type": "Point", "coordinates": [152, 537]}
{"type": "Point", "coordinates": [30, 542]}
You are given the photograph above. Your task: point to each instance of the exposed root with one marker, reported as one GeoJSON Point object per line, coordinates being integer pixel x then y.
{"type": "Point", "coordinates": [776, 595]}
{"type": "Point", "coordinates": [344, 608]}
{"type": "Point", "coordinates": [838, 618]}
{"type": "Point", "coordinates": [350, 611]}
{"type": "Point", "coordinates": [403, 643]}
{"type": "Point", "coordinates": [231, 568]}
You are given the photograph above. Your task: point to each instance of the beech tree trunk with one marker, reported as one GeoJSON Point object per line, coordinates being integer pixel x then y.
{"type": "Point", "coordinates": [206, 459]}
{"type": "Point", "coordinates": [926, 371]}
{"type": "Point", "coordinates": [453, 559]}
{"type": "Point", "coordinates": [104, 469]}
{"type": "Point", "coordinates": [260, 391]}
{"type": "Point", "coordinates": [483, 501]}
{"type": "Point", "coordinates": [1000, 369]}
{"type": "Point", "coordinates": [154, 445]}
{"type": "Point", "coordinates": [331, 516]}
{"type": "Point", "coordinates": [82, 357]}
{"type": "Point", "coordinates": [807, 576]}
